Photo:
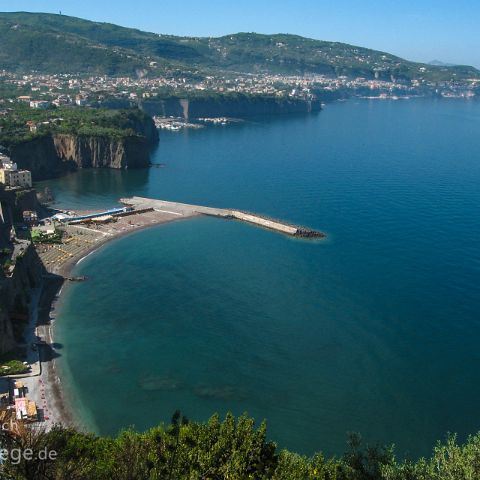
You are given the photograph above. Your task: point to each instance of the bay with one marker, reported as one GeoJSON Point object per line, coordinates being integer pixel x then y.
{"type": "Point", "coordinates": [375, 329]}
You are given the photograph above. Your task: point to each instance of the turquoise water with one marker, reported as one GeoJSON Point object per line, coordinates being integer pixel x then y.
{"type": "Point", "coordinates": [375, 330]}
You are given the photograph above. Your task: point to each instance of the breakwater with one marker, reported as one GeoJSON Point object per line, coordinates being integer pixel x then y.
{"type": "Point", "coordinates": [185, 209]}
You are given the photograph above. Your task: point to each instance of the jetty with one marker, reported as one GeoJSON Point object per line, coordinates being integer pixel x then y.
{"type": "Point", "coordinates": [85, 231]}
{"type": "Point", "coordinates": [187, 210]}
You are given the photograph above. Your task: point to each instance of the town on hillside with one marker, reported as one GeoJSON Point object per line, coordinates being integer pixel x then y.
{"type": "Point", "coordinates": [41, 90]}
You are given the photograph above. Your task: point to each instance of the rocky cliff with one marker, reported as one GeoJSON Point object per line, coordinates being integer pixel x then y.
{"type": "Point", "coordinates": [39, 156]}
{"type": "Point", "coordinates": [12, 205]}
{"type": "Point", "coordinates": [52, 154]}
{"type": "Point", "coordinates": [100, 152]}
{"type": "Point", "coordinates": [228, 106]}
{"type": "Point", "coordinates": [15, 296]}
{"type": "Point", "coordinates": [28, 272]}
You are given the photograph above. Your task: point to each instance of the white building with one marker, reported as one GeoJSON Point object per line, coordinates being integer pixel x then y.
{"type": "Point", "coordinates": [39, 104]}
{"type": "Point", "coordinates": [11, 176]}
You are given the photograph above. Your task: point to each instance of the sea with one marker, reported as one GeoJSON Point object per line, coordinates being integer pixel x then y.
{"type": "Point", "coordinates": [375, 329]}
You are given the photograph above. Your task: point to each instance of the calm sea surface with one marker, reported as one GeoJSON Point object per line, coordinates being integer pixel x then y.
{"type": "Point", "coordinates": [375, 330]}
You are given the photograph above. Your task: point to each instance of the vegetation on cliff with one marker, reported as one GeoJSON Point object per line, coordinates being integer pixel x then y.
{"type": "Point", "coordinates": [24, 123]}
{"type": "Point", "coordinates": [232, 449]}
{"type": "Point", "coordinates": [61, 44]}
{"type": "Point", "coordinates": [217, 97]}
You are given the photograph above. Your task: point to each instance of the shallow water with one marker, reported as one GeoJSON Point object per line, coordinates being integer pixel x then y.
{"type": "Point", "coordinates": [374, 330]}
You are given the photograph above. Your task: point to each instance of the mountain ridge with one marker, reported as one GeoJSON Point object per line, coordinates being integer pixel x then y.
{"type": "Point", "coordinates": [53, 43]}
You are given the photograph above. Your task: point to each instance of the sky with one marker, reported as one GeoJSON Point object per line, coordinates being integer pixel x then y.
{"type": "Point", "coordinates": [419, 30]}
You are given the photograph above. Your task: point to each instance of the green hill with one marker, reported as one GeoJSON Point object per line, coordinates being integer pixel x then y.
{"type": "Point", "coordinates": [61, 44]}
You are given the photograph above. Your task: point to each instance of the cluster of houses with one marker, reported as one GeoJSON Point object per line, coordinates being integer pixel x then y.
{"type": "Point", "coordinates": [43, 104]}
{"type": "Point", "coordinates": [16, 406]}
{"type": "Point", "coordinates": [58, 90]}
{"type": "Point", "coordinates": [58, 101]}
{"type": "Point", "coordinates": [11, 176]}
{"type": "Point", "coordinates": [25, 409]}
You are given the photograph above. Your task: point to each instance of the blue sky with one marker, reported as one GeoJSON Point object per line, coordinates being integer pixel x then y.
{"type": "Point", "coordinates": [421, 30]}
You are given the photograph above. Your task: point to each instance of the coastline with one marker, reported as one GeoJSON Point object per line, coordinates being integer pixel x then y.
{"type": "Point", "coordinates": [60, 409]}
{"type": "Point", "coordinates": [85, 235]}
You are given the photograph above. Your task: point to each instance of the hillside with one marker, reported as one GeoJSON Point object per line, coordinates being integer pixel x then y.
{"type": "Point", "coordinates": [60, 44]}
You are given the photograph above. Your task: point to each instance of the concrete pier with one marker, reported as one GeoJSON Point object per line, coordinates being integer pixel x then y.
{"type": "Point", "coordinates": [187, 210]}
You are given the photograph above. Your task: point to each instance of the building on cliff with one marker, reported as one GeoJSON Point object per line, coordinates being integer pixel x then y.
{"type": "Point", "coordinates": [11, 176]}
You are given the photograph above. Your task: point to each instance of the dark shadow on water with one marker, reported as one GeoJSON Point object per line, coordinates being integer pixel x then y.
{"type": "Point", "coordinates": [96, 185]}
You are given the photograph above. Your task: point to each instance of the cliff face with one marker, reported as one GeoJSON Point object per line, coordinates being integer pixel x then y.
{"type": "Point", "coordinates": [99, 152]}
{"type": "Point", "coordinates": [12, 204]}
{"type": "Point", "coordinates": [7, 341]}
{"type": "Point", "coordinates": [241, 106]}
{"type": "Point", "coordinates": [15, 297]}
{"type": "Point", "coordinates": [28, 272]}
{"type": "Point", "coordinates": [145, 127]}
{"type": "Point", "coordinates": [165, 107]}
{"type": "Point", "coordinates": [39, 156]}
{"type": "Point", "coordinates": [53, 154]}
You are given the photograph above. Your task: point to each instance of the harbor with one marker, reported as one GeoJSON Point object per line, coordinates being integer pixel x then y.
{"type": "Point", "coordinates": [184, 209]}
{"type": "Point", "coordinates": [62, 240]}
{"type": "Point", "coordinates": [86, 231]}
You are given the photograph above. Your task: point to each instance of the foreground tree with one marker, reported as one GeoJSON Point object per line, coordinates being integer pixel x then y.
{"type": "Point", "coordinates": [232, 449]}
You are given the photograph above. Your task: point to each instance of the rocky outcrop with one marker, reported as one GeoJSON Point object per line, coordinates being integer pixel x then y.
{"type": "Point", "coordinates": [228, 106]}
{"type": "Point", "coordinates": [12, 205]}
{"type": "Point", "coordinates": [7, 339]}
{"type": "Point", "coordinates": [15, 297]}
{"type": "Point", "coordinates": [165, 107]}
{"type": "Point", "coordinates": [251, 107]}
{"type": "Point", "coordinates": [53, 154]}
{"type": "Point", "coordinates": [145, 127]}
{"type": "Point", "coordinates": [39, 156]}
{"type": "Point", "coordinates": [101, 152]}
{"type": "Point", "coordinates": [28, 271]}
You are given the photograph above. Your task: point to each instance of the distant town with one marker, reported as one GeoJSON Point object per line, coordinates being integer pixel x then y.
{"type": "Point", "coordinates": [41, 90]}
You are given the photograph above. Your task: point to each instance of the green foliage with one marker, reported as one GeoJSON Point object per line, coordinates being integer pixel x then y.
{"type": "Point", "coordinates": [10, 363]}
{"type": "Point", "coordinates": [98, 122]}
{"type": "Point", "coordinates": [30, 44]}
{"type": "Point", "coordinates": [61, 44]}
{"type": "Point", "coordinates": [12, 367]}
{"type": "Point", "coordinates": [40, 237]}
{"type": "Point", "coordinates": [229, 449]}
